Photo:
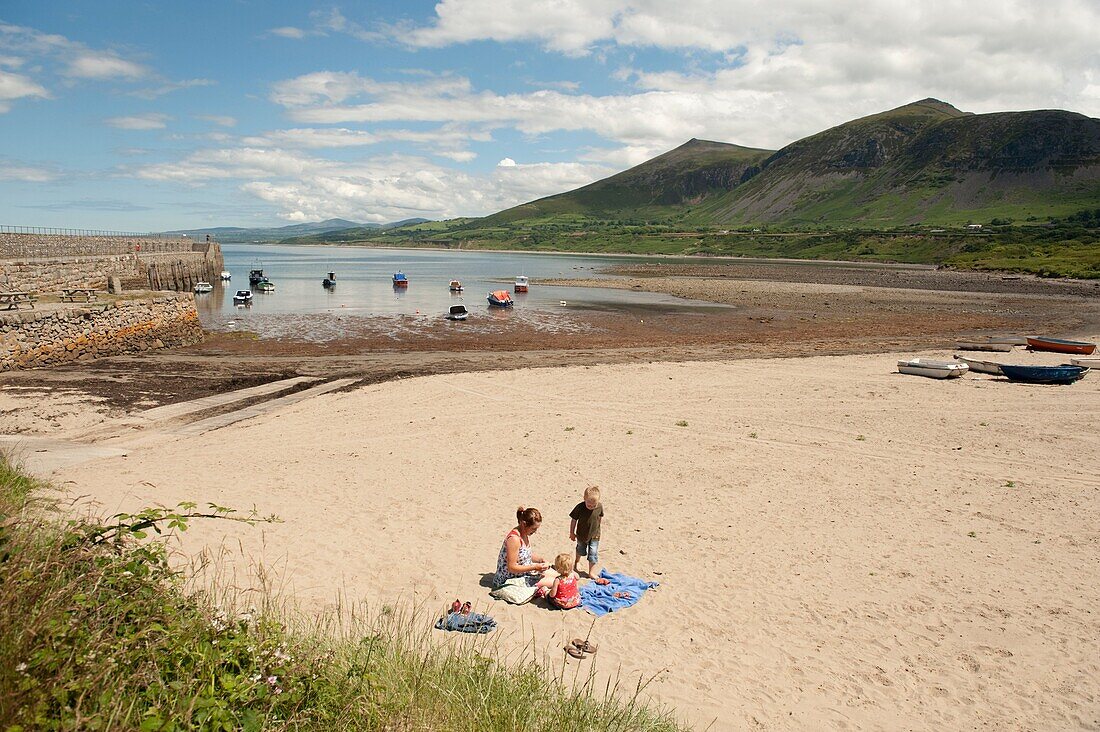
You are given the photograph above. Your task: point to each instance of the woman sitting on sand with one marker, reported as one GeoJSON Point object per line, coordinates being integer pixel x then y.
{"type": "Point", "coordinates": [518, 570]}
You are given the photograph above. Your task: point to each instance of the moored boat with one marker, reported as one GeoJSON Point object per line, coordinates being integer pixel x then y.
{"type": "Point", "coordinates": [265, 285]}
{"type": "Point", "coordinates": [984, 346]}
{"type": "Point", "coordinates": [932, 369]}
{"type": "Point", "coordinates": [243, 297]}
{"type": "Point", "coordinates": [980, 367]}
{"type": "Point", "coordinates": [203, 286]}
{"type": "Point", "coordinates": [521, 283]}
{"type": "Point", "coordinates": [255, 276]}
{"type": "Point", "coordinates": [400, 280]}
{"type": "Point", "coordinates": [457, 312]}
{"type": "Point", "coordinates": [329, 281]}
{"type": "Point", "coordinates": [1064, 374]}
{"type": "Point", "coordinates": [1060, 345]}
{"type": "Point", "coordinates": [500, 299]}
{"type": "Point", "coordinates": [455, 286]}
{"type": "Point", "coordinates": [1088, 363]}
{"type": "Point", "coordinates": [226, 275]}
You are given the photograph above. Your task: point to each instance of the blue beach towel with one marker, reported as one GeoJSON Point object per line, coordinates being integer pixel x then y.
{"type": "Point", "coordinates": [600, 599]}
{"type": "Point", "coordinates": [469, 623]}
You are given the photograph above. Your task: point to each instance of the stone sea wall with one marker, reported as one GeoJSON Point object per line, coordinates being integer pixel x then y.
{"type": "Point", "coordinates": [50, 263]}
{"type": "Point", "coordinates": [52, 335]}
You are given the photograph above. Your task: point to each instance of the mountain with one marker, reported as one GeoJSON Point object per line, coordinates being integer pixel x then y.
{"type": "Point", "coordinates": [237, 235]}
{"type": "Point", "coordinates": [923, 162]}
{"type": "Point", "coordinates": [676, 179]}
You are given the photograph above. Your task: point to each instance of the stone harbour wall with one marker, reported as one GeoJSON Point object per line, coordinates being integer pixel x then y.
{"type": "Point", "coordinates": [54, 335]}
{"type": "Point", "coordinates": [41, 263]}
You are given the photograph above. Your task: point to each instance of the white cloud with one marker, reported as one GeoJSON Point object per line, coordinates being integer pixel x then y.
{"type": "Point", "coordinates": [104, 65]}
{"type": "Point", "coordinates": [288, 32]}
{"type": "Point", "coordinates": [26, 173]}
{"type": "Point", "coordinates": [169, 87]}
{"type": "Point", "coordinates": [151, 121]}
{"type": "Point", "coordinates": [11, 62]}
{"type": "Point", "coordinates": [18, 86]}
{"type": "Point", "coordinates": [381, 188]}
{"type": "Point", "coordinates": [506, 163]}
{"type": "Point", "coordinates": [217, 119]}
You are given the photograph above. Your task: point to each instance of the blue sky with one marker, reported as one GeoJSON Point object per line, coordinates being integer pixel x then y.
{"type": "Point", "coordinates": [147, 116]}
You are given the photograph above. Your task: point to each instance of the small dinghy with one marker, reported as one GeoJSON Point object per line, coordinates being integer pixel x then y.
{"type": "Point", "coordinates": [226, 275]}
{"type": "Point", "coordinates": [500, 299]}
{"type": "Point", "coordinates": [932, 369]}
{"type": "Point", "coordinates": [457, 312]}
{"type": "Point", "coordinates": [400, 280]}
{"type": "Point", "coordinates": [455, 286]}
{"type": "Point", "coordinates": [1064, 374]}
{"type": "Point", "coordinates": [265, 285]}
{"type": "Point", "coordinates": [984, 346]}
{"type": "Point", "coordinates": [329, 281]}
{"type": "Point", "coordinates": [243, 297]}
{"type": "Point", "coordinates": [1086, 363]}
{"type": "Point", "coordinates": [980, 367]}
{"type": "Point", "coordinates": [202, 287]}
{"type": "Point", "coordinates": [1060, 345]}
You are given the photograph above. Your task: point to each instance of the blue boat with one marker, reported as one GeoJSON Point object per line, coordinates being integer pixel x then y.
{"type": "Point", "coordinates": [400, 280]}
{"type": "Point", "coordinates": [1064, 374]}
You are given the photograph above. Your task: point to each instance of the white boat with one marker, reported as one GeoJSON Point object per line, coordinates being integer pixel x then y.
{"type": "Point", "coordinates": [226, 275]}
{"type": "Point", "coordinates": [201, 287]}
{"type": "Point", "coordinates": [932, 369]}
{"type": "Point", "coordinates": [243, 297]}
{"type": "Point", "coordinates": [1088, 363]}
{"type": "Point", "coordinates": [521, 283]}
{"type": "Point", "coordinates": [455, 286]}
{"type": "Point", "coordinates": [980, 367]}
{"type": "Point", "coordinates": [457, 312]}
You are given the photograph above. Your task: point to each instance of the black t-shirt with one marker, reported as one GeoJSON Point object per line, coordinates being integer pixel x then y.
{"type": "Point", "coordinates": [588, 522]}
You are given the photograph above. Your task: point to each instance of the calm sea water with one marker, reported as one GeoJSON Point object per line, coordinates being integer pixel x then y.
{"type": "Point", "coordinates": [364, 285]}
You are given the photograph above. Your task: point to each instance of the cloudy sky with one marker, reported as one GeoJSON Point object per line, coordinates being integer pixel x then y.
{"type": "Point", "coordinates": [153, 115]}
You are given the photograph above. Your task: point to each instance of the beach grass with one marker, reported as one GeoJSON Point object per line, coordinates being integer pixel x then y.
{"type": "Point", "coordinates": [98, 632]}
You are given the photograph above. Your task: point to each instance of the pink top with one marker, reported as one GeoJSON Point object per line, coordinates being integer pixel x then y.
{"type": "Point", "coordinates": [567, 595]}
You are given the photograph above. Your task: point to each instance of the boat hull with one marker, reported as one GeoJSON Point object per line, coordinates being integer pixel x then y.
{"type": "Point", "coordinates": [1087, 363]}
{"type": "Point", "coordinates": [1059, 345]}
{"type": "Point", "coordinates": [980, 367]}
{"type": "Point", "coordinates": [984, 346]}
{"type": "Point", "coordinates": [932, 369]}
{"type": "Point", "coordinates": [1043, 374]}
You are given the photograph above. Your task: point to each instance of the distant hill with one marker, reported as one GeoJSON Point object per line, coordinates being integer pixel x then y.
{"type": "Point", "coordinates": [679, 178]}
{"type": "Point", "coordinates": [925, 162]}
{"type": "Point", "coordinates": [356, 232]}
{"type": "Point", "coordinates": [239, 235]}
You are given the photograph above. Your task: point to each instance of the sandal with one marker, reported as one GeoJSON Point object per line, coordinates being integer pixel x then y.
{"type": "Point", "coordinates": [602, 581]}
{"type": "Point", "coordinates": [624, 596]}
{"type": "Point", "coordinates": [465, 609]}
{"type": "Point", "coordinates": [574, 652]}
{"type": "Point", "coordinates": [584, 646]}
{"type": "Point", "coordinates": [456, 606]}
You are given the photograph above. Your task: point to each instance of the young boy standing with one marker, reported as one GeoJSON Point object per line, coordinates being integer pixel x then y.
{"type": "Point", "coordinates": [584, 528]}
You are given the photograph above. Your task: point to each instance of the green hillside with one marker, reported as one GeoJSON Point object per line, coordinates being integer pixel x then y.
{"type": "Point", "coordinates": [665, 186]}
{"type": "Point", "coordinates": [925, 162]}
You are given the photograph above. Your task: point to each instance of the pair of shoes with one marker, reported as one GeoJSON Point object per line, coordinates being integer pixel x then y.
{"type": "Point", "coordinates": [462, 608]}
{"type": "Point", "coordinates": [623, 596]}
{"type": "Point", "coordinates": [580, 648]}
{"type": "Point", "coordinates": [602, 581]}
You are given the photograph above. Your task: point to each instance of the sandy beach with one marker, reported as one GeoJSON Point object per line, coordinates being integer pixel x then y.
{"type": "Point", "coordinates": [838, 546]}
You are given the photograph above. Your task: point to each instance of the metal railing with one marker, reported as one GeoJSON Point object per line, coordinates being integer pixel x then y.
{"type": "Point", "coordinates": [52, 231]}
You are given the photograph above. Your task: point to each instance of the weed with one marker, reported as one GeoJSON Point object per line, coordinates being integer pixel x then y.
{"type": "Point", "coordinates": [682, 423]}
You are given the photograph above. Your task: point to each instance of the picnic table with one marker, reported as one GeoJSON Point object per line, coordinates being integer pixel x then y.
{"type": "Point", "coordinates": [84, 294]}
{"type": "Point", "coordinates": [13, 300]}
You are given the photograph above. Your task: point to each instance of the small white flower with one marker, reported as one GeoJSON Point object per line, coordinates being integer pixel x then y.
{"type": "Point", "coordinates": [21, 668]}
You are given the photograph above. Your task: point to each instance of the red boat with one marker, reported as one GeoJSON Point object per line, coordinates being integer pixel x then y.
{"type": "Point", "coordinates": [1060, 345]}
